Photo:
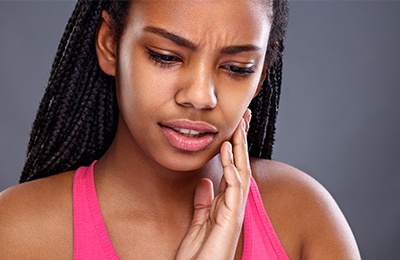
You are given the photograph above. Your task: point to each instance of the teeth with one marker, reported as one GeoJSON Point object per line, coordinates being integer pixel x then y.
{"type": "Point", "coordinates": [185, 131]}
{"type": "Point", "coordinates": [189, 132]}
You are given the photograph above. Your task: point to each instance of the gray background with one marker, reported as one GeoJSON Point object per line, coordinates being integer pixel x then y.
{"type": "Point", "coordinates": [339, 119]}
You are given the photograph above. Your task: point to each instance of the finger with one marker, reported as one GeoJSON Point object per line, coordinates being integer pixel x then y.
{"type": "Point", "coordinates": [239, 140]}
{"type": "Point", "coordinates": [232, 185]}
{"type": "Point", "coordinates": [222, 184]}
{"type": "Point", "coordinates": [203, 198]}
{"type": "Point", "coordinates": [247, 118]}
{"type": "Point", "coordinates": [198, 230]}
{"type": "Point", "coordinates": [226, 161]}
{"type": "Point", "coordinates": [240, 154]}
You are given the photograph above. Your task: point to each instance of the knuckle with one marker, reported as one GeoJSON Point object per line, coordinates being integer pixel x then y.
{"type": "Point", "coordinates": [241, 141]}
{"type": "Point", "coordinates": [246, 169]}
{"type": "Point", "coordinates": [240, 183]}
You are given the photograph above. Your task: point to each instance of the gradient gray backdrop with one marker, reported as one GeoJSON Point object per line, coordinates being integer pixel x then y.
{"type": "Point", "coordinates": [339, 118]}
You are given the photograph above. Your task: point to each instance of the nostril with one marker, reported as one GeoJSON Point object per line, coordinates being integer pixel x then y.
{"type": "Point", "coordinates": [197, 97]}
{"type": "Point", "coordinates": [185, 104]}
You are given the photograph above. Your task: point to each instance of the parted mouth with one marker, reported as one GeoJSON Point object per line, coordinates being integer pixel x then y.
{"type": "Point", "coordinates": [189, 132]}
{"type": "Point", "coordinates": [187, 135]}
{"type": "Point", "coordinates": [189, 128]}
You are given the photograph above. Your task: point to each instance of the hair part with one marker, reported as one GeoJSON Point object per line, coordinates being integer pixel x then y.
{"type": "Point", "coordinates": [78, 116]}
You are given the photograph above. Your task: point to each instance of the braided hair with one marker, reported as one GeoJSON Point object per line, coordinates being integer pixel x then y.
{"type": "Point", "coordinates": [264, 106]}
{"type": "Point", "coordinates": [78, 115]}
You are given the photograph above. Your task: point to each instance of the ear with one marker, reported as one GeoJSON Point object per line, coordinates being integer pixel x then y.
{"type": "Point", "coordinates": [262, 78]}
{"type": "Point", "coordinates": [106, 45]}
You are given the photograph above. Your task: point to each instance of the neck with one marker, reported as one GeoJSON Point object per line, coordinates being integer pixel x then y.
{"type": "Point", "coordinates": [134, 180]}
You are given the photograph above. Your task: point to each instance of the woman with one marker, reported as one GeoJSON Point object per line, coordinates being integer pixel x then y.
{"type": "Point", "coordinates": [139, 148]}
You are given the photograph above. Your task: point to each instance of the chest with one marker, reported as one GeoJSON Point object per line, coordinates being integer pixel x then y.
{"type": "Point", "coordinates": [150, 242]}
{"type": "Point", "coordinates": [137, 240]}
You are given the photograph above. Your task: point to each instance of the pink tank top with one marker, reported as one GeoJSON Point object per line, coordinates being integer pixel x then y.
{"type": "Point", "coordinates": [91, 240]}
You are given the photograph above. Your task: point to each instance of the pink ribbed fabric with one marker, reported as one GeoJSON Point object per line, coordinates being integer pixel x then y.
{"type": "Point", "coordinates": [260, 239]}
{"type": "Point", "coordinates": [91, 240]}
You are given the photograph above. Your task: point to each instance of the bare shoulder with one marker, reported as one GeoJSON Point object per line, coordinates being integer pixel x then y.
{"type": "Point", "coordinates": [34, 215]}
{"type": "Point", "coordinates": [306, 218]}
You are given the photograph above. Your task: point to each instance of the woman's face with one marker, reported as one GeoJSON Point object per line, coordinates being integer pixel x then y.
{"type": "Point", "coordinates": [186, 72]}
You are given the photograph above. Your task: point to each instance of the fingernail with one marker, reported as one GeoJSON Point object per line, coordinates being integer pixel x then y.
{"type": "Point", "coordinates": [248, 119]}
{"type": "Point", "coordinates": [230, 152]}
{"type": "Point", "coordinates": [229, 147]}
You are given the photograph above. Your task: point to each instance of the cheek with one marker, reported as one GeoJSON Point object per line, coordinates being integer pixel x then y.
{"type": "Point", "coordinates": [234, 103]}
{"type": "Point", "coordinates": [138, 88]}
{"type": "Point", "coordinates": [240, 94]}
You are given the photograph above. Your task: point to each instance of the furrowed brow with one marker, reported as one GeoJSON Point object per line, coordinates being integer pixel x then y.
{"type": "Point", "coordinates": [240, 48]}
{"type": "Point", "coordinates": [172, 37]}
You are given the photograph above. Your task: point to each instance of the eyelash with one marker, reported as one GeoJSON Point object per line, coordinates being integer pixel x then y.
{"type": "Point", "coordinates": [238, 72]}
{"type": "Point", "coordinates": [161, 59]}
{"type": "Point", "coordinates": [168, 60]}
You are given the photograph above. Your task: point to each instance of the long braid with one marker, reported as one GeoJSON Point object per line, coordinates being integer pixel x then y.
{"type": "Point", "coordinates": [265, 105]}
{"type": "Point", "coordinates": [68, 130]}
{"type": "Point", "coordinates": [77, 118]}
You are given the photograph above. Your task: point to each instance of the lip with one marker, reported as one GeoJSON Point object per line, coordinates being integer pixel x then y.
{"type": "Point", "coordinates": [196, 126]}
{"type": "Point", "coordinates": [176, 133]}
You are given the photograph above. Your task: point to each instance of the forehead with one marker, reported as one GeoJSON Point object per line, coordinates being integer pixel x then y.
{"type": "Point", "coordinates": [224, 20]}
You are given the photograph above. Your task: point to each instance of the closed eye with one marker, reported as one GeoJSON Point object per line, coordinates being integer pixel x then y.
{"type": "Point", "coordinates": [162, 59]}
{"type": "Point", "coordinates": [238, 72]}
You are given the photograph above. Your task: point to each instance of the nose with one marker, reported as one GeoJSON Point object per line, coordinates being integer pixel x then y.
{"type": "Point", "coordinates": [198, 91]}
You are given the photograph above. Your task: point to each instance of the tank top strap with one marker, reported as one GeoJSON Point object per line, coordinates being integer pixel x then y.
{"type": "Point", "coordinates": [260, 238]}
{"type": "Point", "coordinates": [91, 240]}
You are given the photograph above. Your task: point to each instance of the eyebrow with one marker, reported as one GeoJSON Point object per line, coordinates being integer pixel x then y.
{"type": "Point", "coordinates": [240, 48]}
{"type": "Point", "coordinates": [188, 44]}
{"type": "Point", "coordinates": [172, 37]}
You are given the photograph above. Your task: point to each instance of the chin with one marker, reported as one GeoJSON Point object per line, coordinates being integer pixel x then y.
{"type": "Point", "coordinates": [186, 163]}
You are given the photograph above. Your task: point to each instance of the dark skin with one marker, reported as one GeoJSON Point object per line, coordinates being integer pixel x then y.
{"type": "Point", "coordinates": [36, 219]}
{"type": "Point", "coordinates": [188, 203]}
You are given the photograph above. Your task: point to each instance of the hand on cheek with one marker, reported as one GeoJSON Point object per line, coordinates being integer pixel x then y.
{"type": "Point", "coordinates": [217, 222]}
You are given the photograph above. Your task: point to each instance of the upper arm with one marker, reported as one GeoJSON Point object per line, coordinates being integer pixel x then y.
{"type": "Point", "coordinates": [35, 220]}
{"type": "Point", "coordinates": [14, 227]}
{"type": "Point", "coordinates": [327, 234]}
{"type": "Point", "coordinates": [304, 214]}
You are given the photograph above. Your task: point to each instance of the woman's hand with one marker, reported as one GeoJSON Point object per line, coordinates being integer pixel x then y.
{"type": "Point", "coordinates": [217, 222]}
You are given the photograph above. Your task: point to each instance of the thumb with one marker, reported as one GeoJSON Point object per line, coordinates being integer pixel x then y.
{"type": "Point", "coordinates": [197, 233]}
{"type": "Point", "coordinates": [203, 198]}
